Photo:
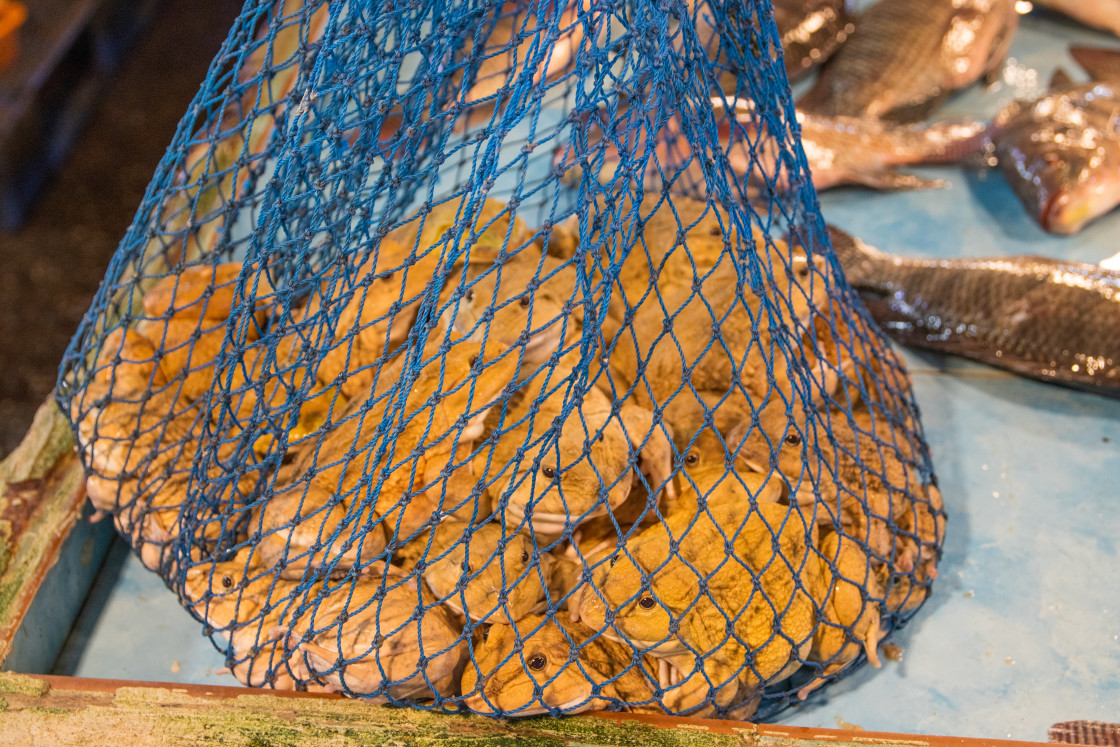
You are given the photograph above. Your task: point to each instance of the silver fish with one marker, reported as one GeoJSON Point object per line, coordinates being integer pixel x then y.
{"type": "Point", "coordinates": [906, 56]}
{"type": "Point", "coordinates": [1101, 14]}
{"type": "Point", "coordinates": [1043, 318]}
{"type": "Point", "coordinates": [1061, 154]}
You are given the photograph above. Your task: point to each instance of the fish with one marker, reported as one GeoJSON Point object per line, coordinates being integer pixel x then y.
{"type": "Point", "coordinates": [811, 31]}
{"type": "Point", "coordinates": [1043, 318]}
{"type": "Point", "coordinates": [906, 56]}
{"type": "Point", "coordinates": [857, 150]}
{"type": "Point", "coordinates": [840, 151]}
{"type": "Point", "coordinates": [1061, 153]}
{"type": "Point", "coordinates": [1101, 14]}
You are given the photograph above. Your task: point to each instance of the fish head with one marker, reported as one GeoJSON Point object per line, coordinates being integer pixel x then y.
{"type": "Point", "coordinates": [1061, 155]}
{"type": "Point", "coordinates": [515, 662]}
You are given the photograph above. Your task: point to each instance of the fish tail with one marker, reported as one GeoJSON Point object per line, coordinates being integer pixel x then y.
{"type": "Point", "coordinates": [859, 261]}
{"type": "Point", "coordinates": [1100, 63]}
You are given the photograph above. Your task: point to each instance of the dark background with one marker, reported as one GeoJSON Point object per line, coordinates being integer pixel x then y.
{"type": "Point", "coordinates": [51, 267]}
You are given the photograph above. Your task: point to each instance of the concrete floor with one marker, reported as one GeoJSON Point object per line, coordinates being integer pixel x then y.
{"type": "Point", "coordinates": [51, 267]}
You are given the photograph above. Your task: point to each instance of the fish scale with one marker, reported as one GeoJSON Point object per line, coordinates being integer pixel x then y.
{"type": "Point", "coordinates": [1039, 317]}
{"type": "Point", "coordinates": [896, 64]}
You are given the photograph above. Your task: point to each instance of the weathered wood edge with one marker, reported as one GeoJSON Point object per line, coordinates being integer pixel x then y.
{"type": "Point", "coordinates": [42, 487]}
{"type": "Point", "coordinates": [76, 711]}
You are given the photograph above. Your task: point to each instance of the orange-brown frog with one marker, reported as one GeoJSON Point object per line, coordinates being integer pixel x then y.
{"type": "Point", "coordinates": [554, 482]}
{"type": "Point", "coordinates": [380, 634]}
{"type": "Point", "coordinates": [540, 664]}
{"type": "Point", "coordinates": [484, 572]}
{"type": "Point", "coordinates": [428, 476]}
{"type": "Point", "coordinates": [849, 595]}
{"type": "Point", "coordinates": [716, 595]}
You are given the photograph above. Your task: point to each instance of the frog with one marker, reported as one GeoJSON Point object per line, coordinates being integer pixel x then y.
{"type": "Point", "coordinates": [848, 593]}
{"type": "Point", "coordinates": [711, 471]}
{"type": "Point", "coordinates": [187, 317]}
{"type": "Point", "coordinates": [857, 500]}
{"type": "Point", "coordinates": [529, 302]}
{"type": "Point", "coordinates": [443, 419]}
{"type": "Point", "coordinates": [733, 636]}
{"type": "Point", "coordinates": [474, 587]}
{"type": "Point", "coordinates": [206, 292]}
{"type": "Point", "coordinates": [586, 471]}
{"type": "Point", "coordinates": [666, 350]}
{"type": "Point", "coordinates": [574, 669]}
{"type": "Point", "coordinates": [246, 603]}
{"type": "Point", "coordinates": [362, 637]}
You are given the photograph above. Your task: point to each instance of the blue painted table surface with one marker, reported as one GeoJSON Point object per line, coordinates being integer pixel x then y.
{"type": "Point", "coordinates": [1023, 627]}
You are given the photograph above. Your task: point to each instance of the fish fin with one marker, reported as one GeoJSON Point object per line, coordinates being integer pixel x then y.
{"type": "Point", "coordinates": [1060, 80]}
{"type": "Point", "coordinates": [892, 179]}
{"type": "Point", "coordinates": [1100, 63]}
{"type": "Point", "coordinates": [860, 261]}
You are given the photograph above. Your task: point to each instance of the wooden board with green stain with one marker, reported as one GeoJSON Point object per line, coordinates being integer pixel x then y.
{"type": "Point", "coordinates": [42, 488]}
{"type": "Point", "coordinates": [63, 710]}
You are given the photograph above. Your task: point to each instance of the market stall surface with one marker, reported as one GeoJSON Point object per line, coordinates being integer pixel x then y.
{"type": "Point", "coordinates": [1023, 627]}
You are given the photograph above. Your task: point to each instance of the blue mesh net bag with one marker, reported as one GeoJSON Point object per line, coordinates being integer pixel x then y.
{"type": "Point", "coordinates": [492, 356]}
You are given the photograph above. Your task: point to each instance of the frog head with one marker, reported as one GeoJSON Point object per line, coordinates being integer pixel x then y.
{"type": "Point", "coordinates": [536, 655]}
{"type": "Point", "coordinates": [474, 567]}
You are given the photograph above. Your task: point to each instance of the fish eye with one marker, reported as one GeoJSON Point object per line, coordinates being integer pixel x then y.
{"type": "Point", "coordinates": [537, 662]}
{"type": "Point", "coordinates": [470, 294]}
{"type": "Point", "coordinates": [647, 603]}
{"type": "Point", "coordinates": [524, 556]}
{"type": "Point", "coordinates": [473, 360]}
{"type": "Point", "coordinates": [614, 560]}
{"type": "Point", "coordinates": [524, 301]}
{"type": "Point", "coordinates": [803, 271]}
{"type": "Point", "coordinates": [388, 276]}
{"type": "Point", "coordinates": [794, 439]}
{"type": "Point", "coordinates": [601, 438]}
{"type": "Point", "coordinates": [714, 231]}
{"type": "Point", "coordinates": [691, 459]}
{"type": "Point", "coordinates": [548, 472]}
{"type": "Point", "coordinates": [467, 566]}
{"type": "Point", "coordinates": [227, 582]}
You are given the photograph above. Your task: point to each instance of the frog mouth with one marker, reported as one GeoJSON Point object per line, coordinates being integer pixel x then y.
{"type": "Point", "coordinates": [547, 523]}
{"type": "Point", "coordinates": [671, 647]}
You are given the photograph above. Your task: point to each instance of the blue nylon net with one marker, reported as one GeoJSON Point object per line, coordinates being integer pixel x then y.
{"type": "Point", "coordinates": [486, 355]}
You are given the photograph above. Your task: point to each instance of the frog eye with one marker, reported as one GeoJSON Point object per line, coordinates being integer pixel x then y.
{"type": "Point", "coordinates": [537, 662]}
{"type": "Point", "coordinates": [524, 556]}
{"type": "Point", "coordinates": [794, 439]}
{"type": "Point", "coordinates": [227, 582]}
{"type": "Point", "coordinates": [524, 301]}
{"type": "Point", "coordinates": [691, 459]}
{"type": "Point", "coordinates": [647, 603]}
{"type": "Point", "coordinates": [548, 472]}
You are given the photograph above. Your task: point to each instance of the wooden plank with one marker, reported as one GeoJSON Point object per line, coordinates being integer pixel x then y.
{"type": "Point", "coordinates": [65, 710]}
{"type": "Point", "coordinates": [42, 488]}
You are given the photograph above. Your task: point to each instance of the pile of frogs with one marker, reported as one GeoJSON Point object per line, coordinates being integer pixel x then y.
{"type": "Point", "coordinates": [472, 507]}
